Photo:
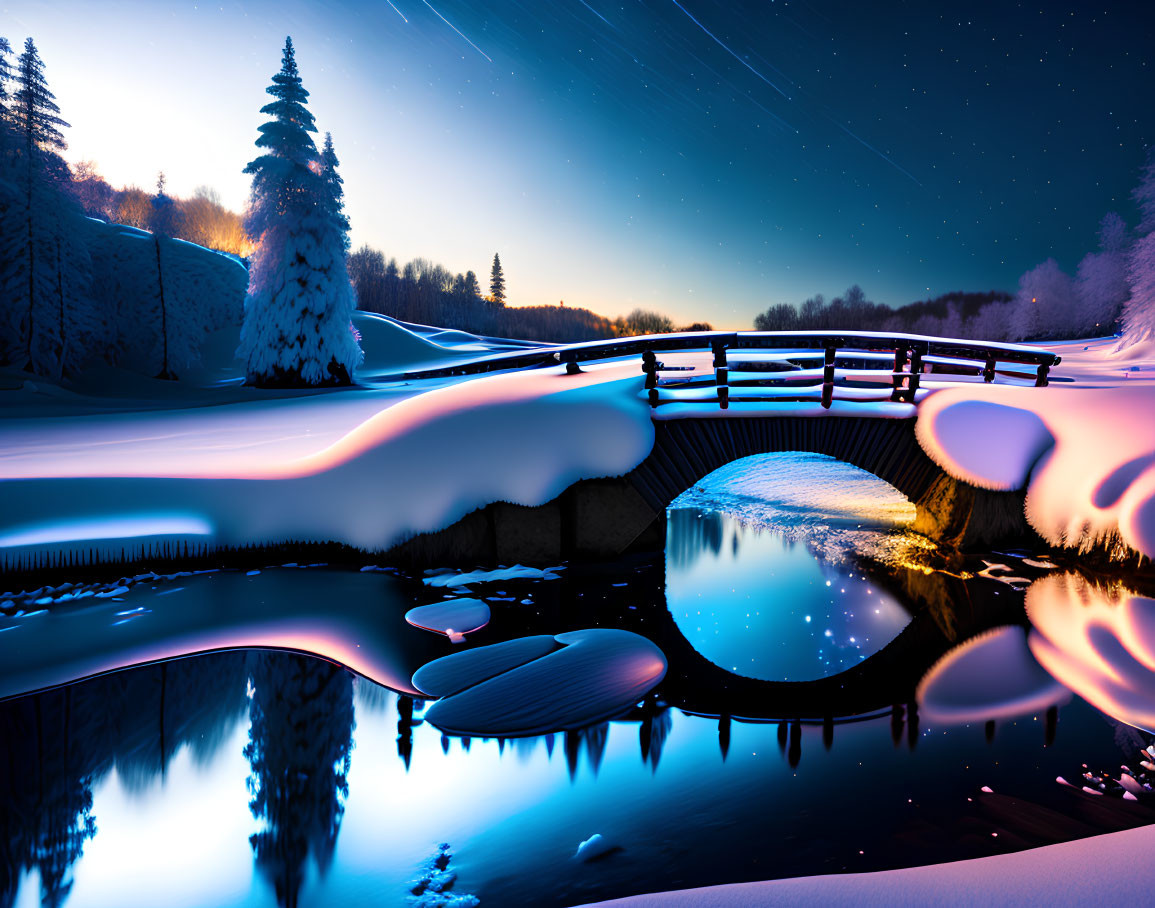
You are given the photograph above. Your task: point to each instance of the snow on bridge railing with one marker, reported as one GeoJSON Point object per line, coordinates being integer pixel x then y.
{"type": "Point", "coordinates": [786, 367]}
{"type": "Point", "coordinates": [792, 366]}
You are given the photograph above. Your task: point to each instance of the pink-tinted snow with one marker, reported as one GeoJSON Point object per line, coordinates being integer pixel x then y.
{"type": "Point", "coordinates": [1096, 483]}
{"type": "Point", "coordinates": [417, 465]}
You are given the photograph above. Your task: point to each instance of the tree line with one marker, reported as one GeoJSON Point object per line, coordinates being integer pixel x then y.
{"type": "Point", "coordinates": [200, 218]}
{"type": "Point", "coordinates": [1112, 290]}
{"type": "Point", "coordinates": [426, 293]}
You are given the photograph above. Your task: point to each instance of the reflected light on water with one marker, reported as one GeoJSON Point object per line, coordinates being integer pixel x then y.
{"type": "Point", "coordinates": [1099, 641]}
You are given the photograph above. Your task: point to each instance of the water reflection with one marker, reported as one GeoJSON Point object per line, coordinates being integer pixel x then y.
{"type": "Point", "coordinates": [300, 742]}
{"type": "Point", "coordinates": [60, 745]}
{"type": "Point", "coordinates": [761, 565]}
{"type": "Point", "coordinates": [761, 605]}
{"type": "Point", "coordinates": [1098, 640]}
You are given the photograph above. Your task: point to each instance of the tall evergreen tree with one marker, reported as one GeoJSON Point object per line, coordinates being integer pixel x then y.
{"type": "Point", "coordinates": [44, 264]}
{"type": "Point", "coordinates": [497, 282]}
{"type": "Point", "coordinates": [165, 216]}
{"type": "Point", "coordinates": [297, 328]}
{"type": "Point", "coordinates": [472, 290]}
{"type": "Point", "coordinates": [336, 187]}
{"type": "Point", "coordinates": [35, 113]}
{"type": "Point", "coordinates": [1144, 195]}
{"type": "Point", "coordinates": [5, 75]}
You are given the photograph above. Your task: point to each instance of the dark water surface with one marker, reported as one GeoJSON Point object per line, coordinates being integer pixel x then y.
{"type": "Point", "coordinates": [782, 741]}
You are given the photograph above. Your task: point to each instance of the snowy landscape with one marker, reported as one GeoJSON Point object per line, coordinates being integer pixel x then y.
{"type": "Point", "coordinates": [326, 579]}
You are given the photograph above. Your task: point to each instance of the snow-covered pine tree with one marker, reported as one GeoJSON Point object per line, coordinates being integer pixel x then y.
{"type": "Point", "coordinates": [5, 75]}
{"type": "Point", "coordinates": [1144, 195]}
{"type": "Point", "coordinates": [336, 187]}
{"type": "Point", "coordinates": [497, 282]}
{"type": "Point", "coordinates": [297, 328]}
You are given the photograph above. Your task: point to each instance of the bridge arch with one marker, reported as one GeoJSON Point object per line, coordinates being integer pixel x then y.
{"type": "Point", "coordinates": [605, 518]}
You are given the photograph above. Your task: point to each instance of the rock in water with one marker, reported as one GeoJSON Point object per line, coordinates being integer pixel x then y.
{"type": "Point", "coordinates": [454, 617]}
{"type": "Point", "coordinates": [539, 685]}
{"type": "Point", "coordinates": [593, 848]}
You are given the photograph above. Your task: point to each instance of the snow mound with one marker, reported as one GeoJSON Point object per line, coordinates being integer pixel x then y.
{"type": "Point", "coordinates": [592, 676]}
{"type": "Point", "coordinates": [1099, 642]}
{"type": "Point", "coordinates": [992, 676]}
{"type": "Point", "coordinates": [416, 466]}
{"type": "Point", "coordinates": [390, 347]}
{"type": "Point", "coordinates": [989, 444]}
{"type": "Point", "coordinates": [1103, 870]}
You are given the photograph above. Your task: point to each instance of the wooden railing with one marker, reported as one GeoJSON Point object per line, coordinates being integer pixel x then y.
{"type": "Point", "coordinates": [821, 365]}
{"type": "Point", "coordinates": [810, 367]}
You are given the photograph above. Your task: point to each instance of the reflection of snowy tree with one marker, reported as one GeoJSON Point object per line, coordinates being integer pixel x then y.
{"type": "Point", "coordinates": [299, 750]}
{"type": "Point", "coordinates": [655, 728]}
{"type": "Point", "coordinates": [46, 809]}
{"type": "Point", "coordinates": [690, 532]}
{"type": "Point", "coordinates": [57, 745]}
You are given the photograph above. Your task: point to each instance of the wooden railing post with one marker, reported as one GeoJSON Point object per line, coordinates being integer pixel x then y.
{"type": "Point", "coordinates": [989, 369]}
{"type": "Point", "coordinates": [1041, 378]}
{"type": "Point", "coordinates": [650, 367]}
{"type": "Point", "coordinates": [915, 373]}
{"type": "Point", "coordinates": [828, 377]}
{"type": "Point", "coordinates": [721, 372]}
{"type": "Point", "coordinates": [897, 379]}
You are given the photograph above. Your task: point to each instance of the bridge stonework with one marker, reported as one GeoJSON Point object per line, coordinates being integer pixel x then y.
{"type": "Point", "coordinates": [605, 518]}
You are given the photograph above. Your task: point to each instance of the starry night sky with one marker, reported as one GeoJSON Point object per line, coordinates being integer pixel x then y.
{"type": "Point", "coordinates": [705, 158]}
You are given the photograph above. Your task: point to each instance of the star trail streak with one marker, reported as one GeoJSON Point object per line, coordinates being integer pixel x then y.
{"type": "Point", "coordinates": [863, 142]}
{"type": "Point", "coordinates": [456, 29]}
{"type": "Point", "coordinates": [398, 12]}
{"type": "Point", "coordinates": [730, 52]}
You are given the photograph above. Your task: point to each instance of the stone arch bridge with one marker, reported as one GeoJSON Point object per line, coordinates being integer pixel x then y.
{"type": "Point", "coordinates": [850, 396]}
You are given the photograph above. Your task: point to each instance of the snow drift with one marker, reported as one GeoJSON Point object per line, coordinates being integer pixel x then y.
{"type": "Point", "coordinates": [416, 466]}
